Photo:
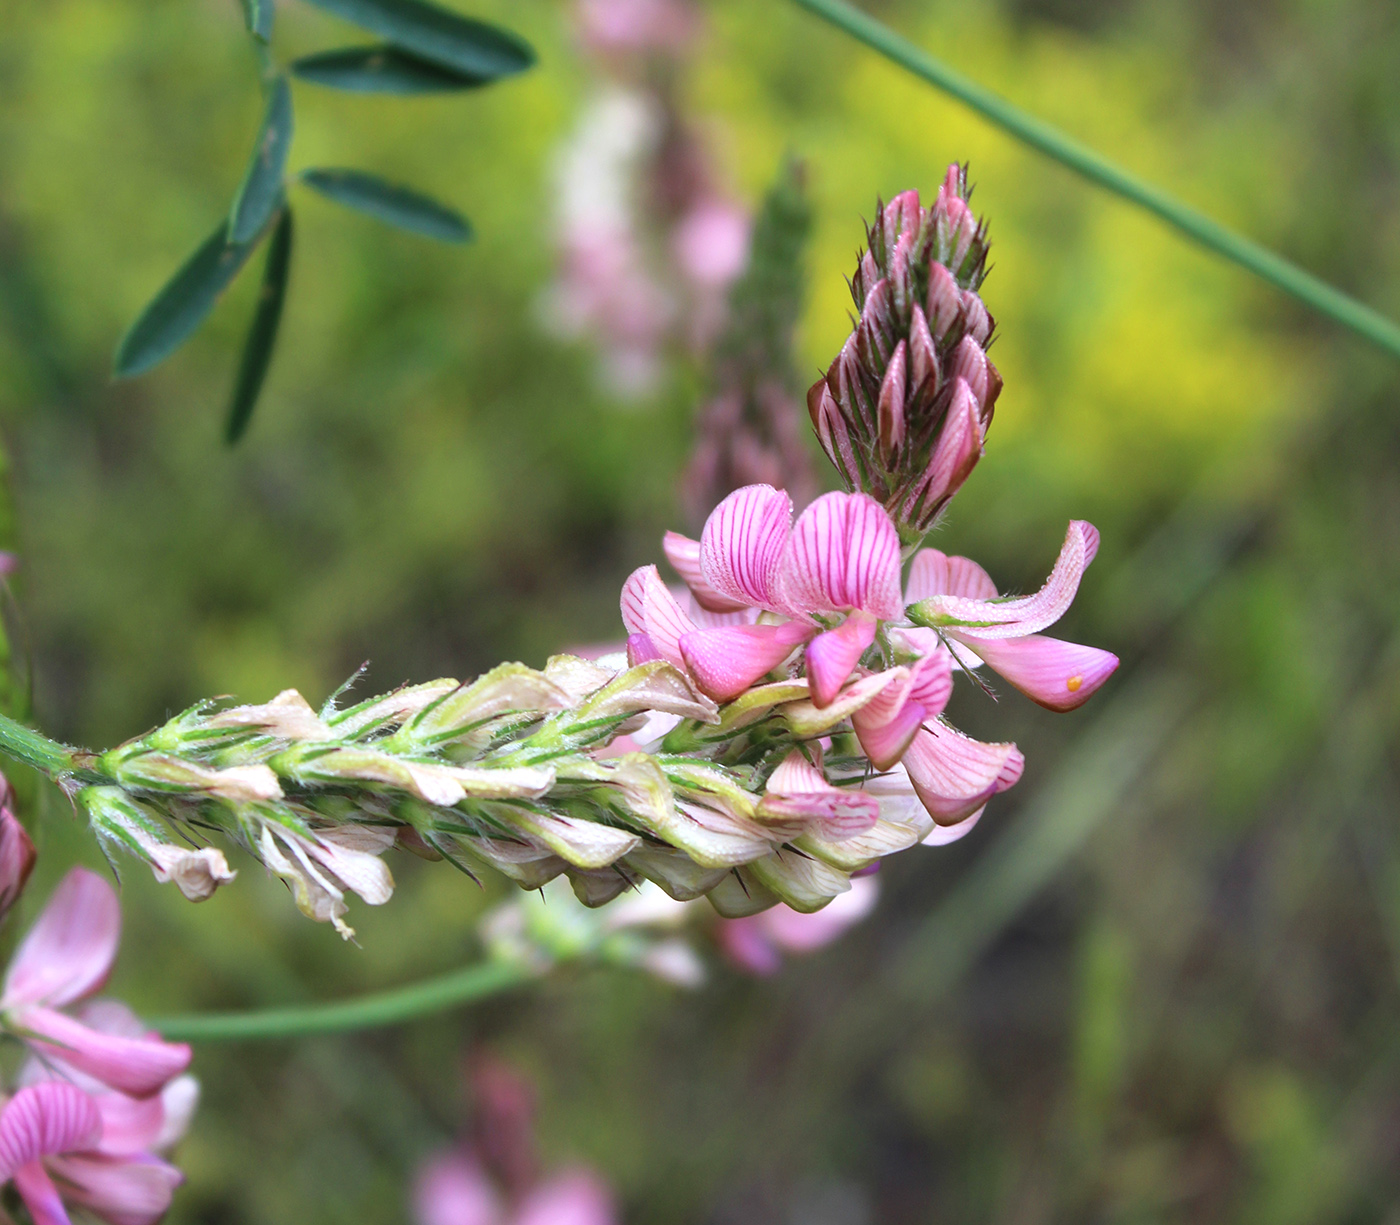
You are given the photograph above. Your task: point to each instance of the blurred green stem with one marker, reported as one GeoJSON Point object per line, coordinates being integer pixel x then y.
{"type": "Point", "coordinates": [1049, 140]}
{"type": "Point", "coordinates": [367, 1012]}
{"type": "Point", "coordinates": [26, 745]}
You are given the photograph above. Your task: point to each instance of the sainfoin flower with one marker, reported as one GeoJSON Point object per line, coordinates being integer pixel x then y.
{"type": "Point", "coordinates": [102, 1096]}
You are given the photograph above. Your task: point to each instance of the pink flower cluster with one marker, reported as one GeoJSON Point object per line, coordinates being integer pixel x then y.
{"type": "Point", "coordinates": [99, 1097]}
{"type": "Point", "coordinates": [821, 600]}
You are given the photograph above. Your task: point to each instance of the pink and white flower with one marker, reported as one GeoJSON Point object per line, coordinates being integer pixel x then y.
{"type": "Point", "coordinates": [66, 957]}
{"type": "Point", "coordinates": [958, 597]}
{"type": "Point", "coordinates": [758, 942]}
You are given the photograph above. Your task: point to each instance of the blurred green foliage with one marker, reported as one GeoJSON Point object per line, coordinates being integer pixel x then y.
{"type": "Point", "coordinates": [1196, 1021]}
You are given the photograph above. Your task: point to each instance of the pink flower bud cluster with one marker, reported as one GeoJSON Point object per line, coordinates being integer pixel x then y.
{"type": "Point", "coordinates": [491, 1178]}
{"type": "Point", "coordinates": [904, 409]}
{"type": "Point", "coordinates": [816, 610]}
{"type": "Point", "coordinates": [99, 1097]}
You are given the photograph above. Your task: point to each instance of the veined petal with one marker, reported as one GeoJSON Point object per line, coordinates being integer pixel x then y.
{"type": "Point", "coordinates": [886, 738]}
{"type": "Point", "coordinates": [955, 775]}
{"type": "Point", "coordinates": [40, 1196]}
{"type": "Point", "coordinates": [942, 835]}
{"type": "Point", "coordinates": [51, 1117]}
{"type": "Point", "coordinates": [798, 789]}
{"type": "Point", "coordinates": [958, 449]}
{"type": "Point", "coordinates": [727, 660]}
{"type": "Point", "coordinates": [648, 607]}
{"type": "Point", "coordinates": [1059, 675]}
{"type": "Point", "coordinates": [641, 650]}
{"type": "Point", "coordinates": [1015, 618]}
{"type": "Point", "coordinates": [684, 555]}
{"type": "Point", "coordinates": [832, 656]}
{"type": "Point", "coordinates": [129, 1124]}
{"type": "Point", "coordinates": [933, 573]}
{"type": "Point", "coordinates": [69, 952]}
{"type": "Point", "coordinates": [120, 1190]}
{"type": "Point", "coordinates": [741, 548]}
{"type": "Point", "coordinates": [844, 554]}
{"type": "Point", "coordinates": [138, 1066]}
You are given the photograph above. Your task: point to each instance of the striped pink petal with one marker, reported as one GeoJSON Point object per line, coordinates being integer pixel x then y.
{"type": "Point", "coordinates": [40, 1196]}
{"type": "Point", "coordinates": [1059, 675]}
{"type": "Point", "coordinates": [933, 573]}
{"type": "Point", "coordinates": [832, 656]}
{"type": "Point", "coordinates": [50, 1117]}
{"type": "Point", "coordinates": [69, 952]}
{"type": "Point", "coordinates": [958, 449]}
{"type": "Point", "coordinates": [954, 775]}
{"type": "Point", "coordinates": [641, 650]}
{"type": "Point", "coordinates": [120, 1190]}
{"type": "Point", "coordinates": [798, 789]}
{"type": "Point", "coordinates": [1017, 617]}
{"type": "Point", "coordinates": [138, 1066]}
{"type": "Point", "coordinates": [741, 548]}
{"type": "Point", "coordinates": [684, 555]}
{"type": "Point", "coordinates": [844, 554]}
{"type": "Point", "coordinates": [726, 660]}
{"type": "Point", "coordinates": [649, 608]}
{"type": "Point", "coordinates": [885, 740]}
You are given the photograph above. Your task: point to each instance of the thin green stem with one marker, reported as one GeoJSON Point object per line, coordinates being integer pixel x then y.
{"type": "Point", "coordinates": [1322, 297]}
{"type": "Point", "coordinates": [26, 745]}
{"type": "Point", "coordinates": [366, 1012]}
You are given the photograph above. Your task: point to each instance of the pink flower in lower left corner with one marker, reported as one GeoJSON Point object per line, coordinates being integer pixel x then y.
{"type": "Point", "coordinates": [66, 957]}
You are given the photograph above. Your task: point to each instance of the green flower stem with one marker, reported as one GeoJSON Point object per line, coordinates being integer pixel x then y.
{"type": "Point", "coordinates": [1322, 297]}
{"type": "Point", "coordinates": [26, 745]}
{"type": "Point", "coordinates": [367, 1012]}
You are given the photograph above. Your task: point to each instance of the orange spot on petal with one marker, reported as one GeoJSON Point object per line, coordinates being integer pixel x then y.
{"type": "Point", "coordinates": [1073, 683]}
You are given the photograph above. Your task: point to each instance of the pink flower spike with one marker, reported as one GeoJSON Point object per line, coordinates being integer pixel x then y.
{"type": "Point", "coordinates": [954, 775]}
{"type": "Point", "coordinates": [844, 554]}
{"type": "Point", "coordinates": [649, 608]}
{"type": "Point", "coordinates": [1059, 675]}
{"type": "Point", "coordinates": [452, 1189]}
{"type": "Point", "coordinates": [50, 1117]}
{"type": "Point", "coordinates": [728, 659]}
{"type": "Point", "coordinates": [1015, 618]}
{"type": "Point", "coordinates": [122, 1191]}
{"type": "Point", "coordinates": [575, 1197]}
{"type": "Point", "coordinates": [69, 951]}
{"type": "Point", "coordinates": [832, 656]}
{"type": "Point", "coordinates": [797, 788]}
{"type": "Point", "coordinates": [741, 548]}
{"type": "Point", "coordinates": [137, 1066]}
{"type": "Point", "coordinates": [684, 555]}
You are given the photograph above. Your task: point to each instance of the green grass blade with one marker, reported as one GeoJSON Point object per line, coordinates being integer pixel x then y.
{"type": "Point", "coordinates": [262, 336]}
{"type": "Point", "coordinates": [258, 16]}
{"type": "Point", "coordinates": [1268, 265]}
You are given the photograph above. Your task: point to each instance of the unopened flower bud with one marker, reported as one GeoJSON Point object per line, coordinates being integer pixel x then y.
{"type": "Point", "coordinates": [16, 851]}
{"type": "Point", "coordinates": [884, 411]}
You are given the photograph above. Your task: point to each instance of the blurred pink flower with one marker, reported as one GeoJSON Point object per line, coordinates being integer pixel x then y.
{"type": "Point", "coordinates": [16, 851]}
{"type": "Point", "coordinates": [637, 25]}
{"type": "Point", "coordinates": [66, 957]}
{"type": "Point", "coordinates": [711, 243]}
{"type": "Point", "coordinates": [757, 943]}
